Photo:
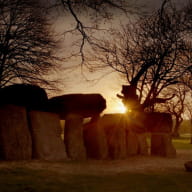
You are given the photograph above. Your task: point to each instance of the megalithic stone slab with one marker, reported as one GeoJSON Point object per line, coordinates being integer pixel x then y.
{"type": "Point", "coordinates": [188, 166]}
{"type": "Point", "coordinates": [161, 145]}
{"type": "Point", "coordinates": [73, 137]}
{"type": "Point", "coordinates": [46, 136]}
{"type": "Point", "coordinates": [114, 128]}
{"type": "Point", "coordinates": [95, 141]}
{"type": "Point", "coordinates": [132, 143]}
{"type": "Point", "coordinates": [142, 142]}
{"type": "Point", "coordinates": [15, 138]}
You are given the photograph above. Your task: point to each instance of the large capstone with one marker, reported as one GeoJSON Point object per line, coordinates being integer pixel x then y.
{"type": "Point", "coordinates": [85, 105]}
{"type": "Point", "coordinates": [32, 97]}
{"type": "Point", "coordinates": [157, 122]}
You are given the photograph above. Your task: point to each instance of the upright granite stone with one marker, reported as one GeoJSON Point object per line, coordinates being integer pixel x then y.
{"type": "Point", "coordinates": [157, 122]}
{"type": "Point", "coordinates": [132, 144]}
{"type": "Point", "coordinates": [161, 145]}
{"type": "Point", "coordinates": [15, 138]}
{"type": "Point", "coordinates": [73, 137]}
{"type": "Point", "coordinates": [114, 127]}
{"type": "Point", "coordinates": [142, 143]}
{"type": "Point", "coordinates": [46, 136]}
{"type": "Point", "coordinates": [188, 166]}
{"type": "Point", "coordinates": [95, 141]}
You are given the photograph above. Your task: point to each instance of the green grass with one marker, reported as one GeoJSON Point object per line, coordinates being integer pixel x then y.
{"type": "Point", "coordinates": [182, 143]}
{"type": "Point", "coordinates": [28, 180]}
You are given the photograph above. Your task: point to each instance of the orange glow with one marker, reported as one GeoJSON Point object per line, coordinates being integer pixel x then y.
{"type": "Point", "coordinates": [120, 108]}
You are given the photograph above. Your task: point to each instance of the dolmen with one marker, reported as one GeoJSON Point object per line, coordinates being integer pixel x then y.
{"type": "Point", "coordinates": [26, 130]}
{"type": "Point", "coordinates": [31, 121]}
{"type": "Point", "coordinates": [159, 125]}
{"type": "Point", "coordinates": [73, 108]}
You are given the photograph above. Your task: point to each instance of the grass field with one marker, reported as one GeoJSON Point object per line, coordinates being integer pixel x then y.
{"type": "Point", "coordinates": [152, 174]}
{"type": "Point", "coordinates": [183, 143]}
{"type": "Point", "coordinates": [23, 180]}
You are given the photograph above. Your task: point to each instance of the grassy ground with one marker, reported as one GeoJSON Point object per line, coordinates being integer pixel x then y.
{"type": "Point", "coordinates": [182, 143]}
{"type": "Point", "coordinates": [58, 177]}
{"type": "Point", "coordinates": [23, 180]}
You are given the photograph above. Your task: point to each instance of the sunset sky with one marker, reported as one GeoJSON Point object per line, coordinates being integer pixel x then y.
{"type": "Point", "coordinates": [73, 81]}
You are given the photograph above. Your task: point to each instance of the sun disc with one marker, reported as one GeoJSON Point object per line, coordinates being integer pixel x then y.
{"type": "Point", "coordinates": [121, 108]}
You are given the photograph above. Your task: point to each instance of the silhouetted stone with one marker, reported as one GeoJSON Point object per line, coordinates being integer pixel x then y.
{"type": "Point", "coordinates": [114, 127]}
{"type": "Point", "coordinates": [15, 138]}
{"type": "Point", "coordinates": [157, 122]}
{"type": "Point", "coordinates": [46, 136]}
{"type": "Point", "coordinates": [73, 137]}
{"type": "Point", "coordinates": [142, 143]}
{"type": "Point", "coordinates": [188, 166]}
{"type": "Point", "coordinates": [85, 105]}
{"type": "Point", "coordinates": [26, 95]}
{"type": "Point", "coordinates": [161, 145]}
{"type": "Point", "coordinates": [132, 143]}
{"type": "Point", "coordinates": [95, 141]}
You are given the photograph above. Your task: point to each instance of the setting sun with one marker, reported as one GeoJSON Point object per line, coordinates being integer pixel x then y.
{"type": "Point", "coordinates": [120, 108]}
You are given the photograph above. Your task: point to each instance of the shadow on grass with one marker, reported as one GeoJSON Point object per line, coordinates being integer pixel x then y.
{"type": "Point", "coordinates": [28, 180]}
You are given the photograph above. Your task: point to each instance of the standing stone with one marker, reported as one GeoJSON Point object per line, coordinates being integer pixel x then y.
{"type": "Point", "coordinates": [114, 127]}
{"type": "Point", "coordinates": [95, 141]}
{"type": "Point", "coordinates": [15, 138]}
{"type": "Point", "coordinates": [188, 166]}
{"type": "Point", "coordinates": [161, 145]}
{"type": "Point", "coordinates": [46, 136]}
{"type": "Point", "coordinates": [132, 143]}
{"type": "Point", "coordinates": [142, 143]}
{"type": "Point", "coordinates": [73, 137]}
{"type": "Point", "coordinates": [157, 122]}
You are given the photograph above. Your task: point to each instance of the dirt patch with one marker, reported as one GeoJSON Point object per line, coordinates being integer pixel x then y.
{"type": "Point", "coordinates": [135, 164]}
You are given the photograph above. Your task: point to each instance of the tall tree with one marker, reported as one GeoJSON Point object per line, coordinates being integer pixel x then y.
{"type": "Point", "coordinates": [152, 53]}
{"type": "Point", "coordinates": [177, 106]}
{"type": "Point", "coordinates": [26, 43]}
{"type": "Point", "coordinates": [88, 15]}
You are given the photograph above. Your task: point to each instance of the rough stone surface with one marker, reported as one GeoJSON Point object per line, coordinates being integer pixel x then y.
{"type": "Point", "coordinates": [161, 145]}
{"type": "Point", "coordinates": [142, 144]}
{"type": "Point", "coordinates": [114, 127]}
{"type": "Point", "coordinates": [73, 137]}
{"type": "Point", "coordinates": [132, 144]}
{"type": "Point", "coordinates": [85, 105]}
{"type": "Point", "coordinates": [188, 166]}
{"type": "Point", "coordinates": [46, 136]}
{"type": "Point", "coordinates": [95, 141]}
{"type": "Point", "coordinates": [15, 138]}
{"type": "Point", "coordinates": [31, 97]}
{"type": "Point", "coordinates": [157, 122]}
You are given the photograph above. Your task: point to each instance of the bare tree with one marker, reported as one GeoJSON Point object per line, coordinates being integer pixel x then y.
{"type": "Point", "coordinates": [189, 112]}
{"type": "Point", "coordinates": [88, 15]}
{"type": "Point", "coordinates": [177, 106]}
{"type": "Point", "coordinates": [26, 43]}
{"type": "Point", "coordinates": [153, 53]}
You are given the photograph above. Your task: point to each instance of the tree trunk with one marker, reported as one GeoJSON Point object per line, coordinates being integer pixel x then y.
{"type": "Point", "coordinates": [191, 132]}
{"type": "Point", "coordinates": [176, 128]}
